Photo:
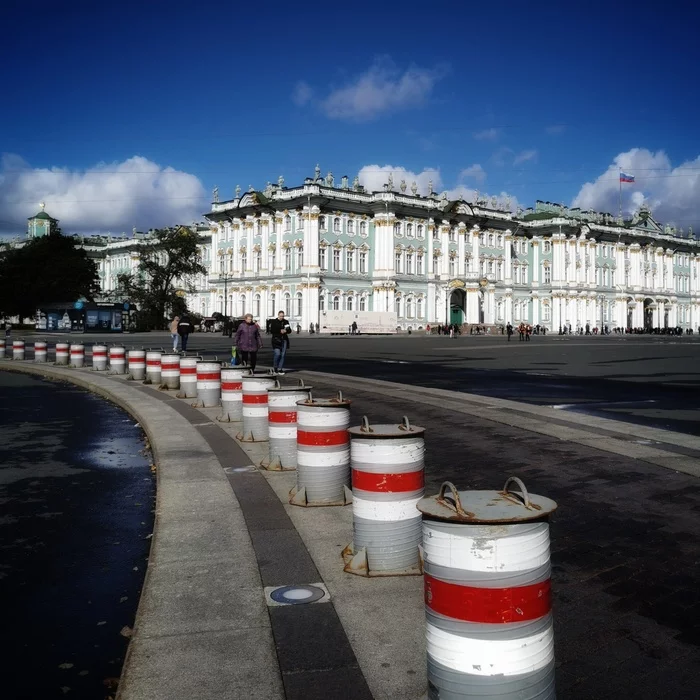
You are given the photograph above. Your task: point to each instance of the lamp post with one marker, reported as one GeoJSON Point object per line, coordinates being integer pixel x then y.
{"type": "Point", "coordinates": [225, 277]}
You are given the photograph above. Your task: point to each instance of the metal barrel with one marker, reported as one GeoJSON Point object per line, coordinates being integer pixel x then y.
{"type": "Point", "coordinates": [77, 355]}
{"type": "Point", "coordinates": [488, 606]}
{"type": "Point", "coordinates": [99, 357]}
{"type": "Point", "coordinates": [188, 378]}
{"type": "Point", "coordinates": [17, 349]}
{"type": "Point", "coordinates": [282, 425]}
{"type": "Point", "coordinates": [153, 358]}
{"type": "Point", "coordinates": [170, 370]}
{"type": "Point", "coordinates": [40, 351]}
{"type": "Point", "coordinates": [3, 349]}
{"type": "Point", "coordinates": [117, 360]}
{"type": "Point", "coordinates": [231, 394]}
{"type": "Point", "coordinates": [255, 408]}
{"type": "Point", "coordinates": [208, 383]}
{"type": "Point", "coordinates": [387, 467]}
{"type": "Point", "coordinates": [62, 354]}
{"type": "Point", "coordinates": [323, 453]}
{"type": "Point", "coordinates": [137, 364]}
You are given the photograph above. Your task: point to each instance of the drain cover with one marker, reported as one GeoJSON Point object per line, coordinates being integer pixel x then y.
{"type": "Point", "coordinates": [297, 595]}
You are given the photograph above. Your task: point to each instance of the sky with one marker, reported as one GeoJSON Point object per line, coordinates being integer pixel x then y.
{"type": "Point", "coordinates": [122, 115]}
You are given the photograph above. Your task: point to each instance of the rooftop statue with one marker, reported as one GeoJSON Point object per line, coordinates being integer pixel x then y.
{"type": "Point", "coordinates": [356, 183]}
{"type": "Point", "coordinates": [215, 194]}
{"type": "Point", "coordinates": [414, 188]}
{"type": "Point", "coordinates": [238, 191]}
{"type": "Point", "coordinates": [280, 182]}
{"type": "Point", "coordinates": [402, 186]}
{"type": "Point", "coordinates": [390, 181]}
{"type": "Point", "coordinates": [317, 172]}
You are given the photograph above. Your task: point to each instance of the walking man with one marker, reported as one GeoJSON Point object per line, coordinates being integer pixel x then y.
{"type": "Point", "coordinates": [173, 332]}
{"type": "Point", "coordinates": [184, 328]}
{"type": "Point", "coordinates": [280, 330]}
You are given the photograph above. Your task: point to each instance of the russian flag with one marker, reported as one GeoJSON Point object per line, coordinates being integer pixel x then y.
{"type": "Point", "coordinates": [624, 177]}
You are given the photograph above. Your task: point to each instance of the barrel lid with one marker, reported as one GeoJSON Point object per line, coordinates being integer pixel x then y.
{"type": "Point", "coordinates": [337, 402]}
{"type": "Point", "coordinates": [386, 430]}
{"type": "Point", "coordinates": [279, 388]}
{"type": "Point", "coordinates": [503, 506]}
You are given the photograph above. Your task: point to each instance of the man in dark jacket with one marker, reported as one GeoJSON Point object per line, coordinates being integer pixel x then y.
{"type": "Point", "coordinates": [280, 329]}
{"type": "Point", "coordinates": [184, 328]}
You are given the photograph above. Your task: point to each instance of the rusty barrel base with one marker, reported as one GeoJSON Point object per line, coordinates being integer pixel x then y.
{"type": "Point", "coordinates": [356, 563]}
{"type": "Point", "coordinates": [275, 466]}
{"type": "Point", "coordinates": [226, 418]}
{"type": "Point", "coordinates": [297, 497]}
{"type": "Point", "coordinates": [251, 437]}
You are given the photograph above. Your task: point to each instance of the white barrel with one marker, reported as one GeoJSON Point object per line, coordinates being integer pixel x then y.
{"type": "Point", "coordinates": [231, 394]}
{"type": "Point", "coordinates": [323, 452]}
{"type": "Point", "coordinates": [99, 357]}
{"type": "Point", "coordinates": [255, 407]}
{"type": "Point", "coordinates": [153, 358]}
{"type": "Point", "coordinates": [3, 347]}
{"type": "Point", "coordinates": [170, 370]}
{"type": "Point", "coordinates": [77, 355]}
{"type": "Point", "coordinates": [282, 425]}
{"type": "Point", "coordinates": [387, 467]}
{"type": "Point", "coordinates": [62, 353]}
{"type": "Point", "coordinates": [488, 607]}
{"type": "Point", "coordinates": [117, 360]}
{"type": "Point", "coordinates": [137, 364]}
{"type": "Point", "coordinates": [17, 349]}
{"type": "Point", "coordinates": [188, 378]}
{"type": "Point", "coordinates": [40, 351]}
{"type": "Point", "coordinates": [208, 384]}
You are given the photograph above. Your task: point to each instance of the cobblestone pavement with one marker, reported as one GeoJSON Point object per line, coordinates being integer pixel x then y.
{"type": "Point", "coordinates": [625, 550]}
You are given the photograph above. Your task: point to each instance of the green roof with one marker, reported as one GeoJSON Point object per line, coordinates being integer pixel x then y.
{"type": "Point", "coordinates": [42, 215]}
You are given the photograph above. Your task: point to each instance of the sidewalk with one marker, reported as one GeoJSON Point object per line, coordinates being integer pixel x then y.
{"type": "Point", "coordinates": [626, 607]}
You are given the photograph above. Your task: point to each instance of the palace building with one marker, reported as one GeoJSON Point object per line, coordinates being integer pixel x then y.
{"type": "Point", "coordinates": [323, 246]}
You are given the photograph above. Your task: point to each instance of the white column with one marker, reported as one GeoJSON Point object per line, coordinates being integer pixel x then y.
{"type": "Point", "coordinates": [535, 262]}
{"type": "Point", "coordinates": [461, 250]}
{"type": "Point", "coordinates": [535, 310]}
{"type": "Point", "coordinates": [508, 272]}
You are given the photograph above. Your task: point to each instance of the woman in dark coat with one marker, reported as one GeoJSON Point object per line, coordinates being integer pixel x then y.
{"type": "Point", "coordinates": [248, 341]}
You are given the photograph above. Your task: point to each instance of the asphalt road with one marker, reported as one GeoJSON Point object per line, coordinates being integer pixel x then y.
{"type": "Point", "coordinates": [77, 499]}
{"type": "Point", "coordinates": [652, 380]}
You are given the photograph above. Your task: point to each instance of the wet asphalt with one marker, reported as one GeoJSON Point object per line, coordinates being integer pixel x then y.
{"type": "Point", "coordinates": [77, 496]}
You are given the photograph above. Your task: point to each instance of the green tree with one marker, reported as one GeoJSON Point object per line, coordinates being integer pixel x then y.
{"type": "Point", "coordinates": [48, 269]}
{"type": "Point", "coordinates": [167, 265]}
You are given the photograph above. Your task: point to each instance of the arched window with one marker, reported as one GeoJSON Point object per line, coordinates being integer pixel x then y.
{"type": "Point", "coordinates": [300, 221]}
{"type": "Point", "coordinates": [287, 304]}
{"type": "Point", "coordinates": [298, 304]}
{"type": "Point", "coordinates": [363, 303]}
{"type": "Point", "coordinates": [419, 232]}
{"type": "Point", "coordinates": [241, 302]}
{"type": "Point", "coordinates": [363, 228]}
{"type": "Point", "coordinates": [322, 222]}
{"type": "Point", "coordinates": [256, 306]}
{"type": "Point", "coordinates": [336, 303]}
{"type": "Point", "coordinates": [409, 230]}
{"type": "Point", "coordinates": [300, 257]}
{"type": "Point", "coordinates": [419, 308]}
{"type": "Point", "coordinates": [271, 311]}
{"type": "Point", "coordinates": [491, 240]}
{"type": "Point", "coordinates": [336, 225]}
{"type": "Point", "coordinates": [351, 226]}
{"type": "Point", "coordinates": [397, 305]}
{"type": "Point", "coordinates": [287, 222]}
{"type": "Point", "coordinates": [409, 307]}
{"type": "Point", "coordinates": [349, 302]}
{"type": "Point", "coordinates": [322, 302]}
{"type": "Point", "coordinates": [499, 310]}
{"type": "Point", "coordinates": [257, 261]}
{"type": "Point", "coordinates": [259, 228]}
{"type": "Point", "coordinates": [220, 301]}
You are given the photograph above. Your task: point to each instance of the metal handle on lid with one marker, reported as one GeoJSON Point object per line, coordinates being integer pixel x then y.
{"type": "Point", "coordinates": [301, 384]}
{"type": "Point", "coordinates": [277, 384]}
{"type": "Point", "coordinates": [366, 427]}
{"type": "Point", "coordinates": [339, 397]}
{"type": "Point", "coordinates": [405, 425]}
{"type": "Point", "coordinates": [453, 502]}
{"type": "Point", "coordinates": [525, 496]}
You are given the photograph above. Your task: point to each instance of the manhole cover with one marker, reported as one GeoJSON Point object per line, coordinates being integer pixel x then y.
{"type": "Point", "coordinates": [297, 595]}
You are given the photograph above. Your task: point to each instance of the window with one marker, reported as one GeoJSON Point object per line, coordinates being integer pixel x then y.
{"type": "Point", "coordinates": [397, 305]}
{"type": "Point", "coordinates": [349, 303]}
{"type": "Point", "coordinates": [298, 304]}
{"type": "Point", "coordinates": [499, 311]}
{"type": "Point", "coordinates": [322, 258]}
{"type": "Point", "coordinates": [436, 233]}
{"type": "Point", "coordinates": [409, 308]}
{"type": "Point", "coordinates": [524, 274]}
{"type": "Point", "coordinates": [351, 226]}
{"type": "Point", "coordinates": [287, 259]}
{"type": "Point", "coordinates": [257, 261]}
{"type": "Point", "coordinates": [363, 303]}
{"type": "Point", "coordinates": [436, 264]}
{"type": "Point", "coordinates": [221, 266]}
{"type": "Point", "coordinates": [336, 225]}
{"type": "Point", "coordinates": [300, 222]}
{"type": "Point", "coordinates": [270, 260]}
{"type": "Point", "coordinates": [452, 267]}
{"type": "Point", "coordinates": [397, 229]}
{"type": "Point", "coordinates": [516, 276]}
{"type": "Point", "coordinates": [322, 302]}
{"type": "Point", "coordinates": [256, 306]}
{"type": "Point", "coordinates": [499, 270]}
{"type": "Point", "coordinates": [287, 222]}
{"type": "Point", "coordinates": [300, 257]}
{"type": "Point", "coordinates": [244, 261]}
{"type": "Point", "coordinates": [271, 310]}
{"type": "Point", "coordinates": [409, 230]}
{"type": "Point", "coordinates": [349, 261]}
{"type": "Point", "coordinates": [546, 312]}
{"type": "Point", "coordinates": [336, 303]}
{"type": "Point", "coordinates": [363, 262]}
{"type": "Point", "coordinates": [409, 263]}
{"type": "Point", "coordinates": [363, 228]}
{"type": "Point", "coordinates": [288, 304]}
{"type": "Point", "coordinates": [259, 228]}
{"type": "Point", "coordinates": [547, 247]}
{"type": "Point", "coordinates": [499, 241]}
{"type": "Point", "coordinates": [419, 308]}
{"type": "Point", "coordinates": [492, 240]}
{"type": "Point", "coordinates": [419, 265]}
{"type": "Point", "coordinates": [451, 236]}
{"type": "Point", "coordinates": [523, 247]}
{"type": "Point", "coordinates": [241, 301]}
{"type": "Point", "coordinates": [419, 231]}
{"type": "Point", "coordinates": [490, 267]}
{"type": "Point", "coordinates": [397, 263]}
{"type": "Point", "coordinates": [547, 274]}
{"type": "Point", "coordinates": [230, 263]}
{"type": "Point", "coordinates": [336, 260]}
{"type": "Point", "coordinates": [322, 223]}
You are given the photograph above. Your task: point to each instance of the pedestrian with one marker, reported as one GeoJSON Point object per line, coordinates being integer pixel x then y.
{"type": "Point", "coordinates": [184, 328]}
{"type": "Point", "coordinates": [173, 332]}
{"type": "Point", "coordinates": [248, 342]}
{"type": "Point", "coordinates": [528, 332]}
{"type": "Point", "coordinates": [280, 329]}
{"type": "Point", "coordinates": [8, 329]}
{"type": "Point", "coordinates": [354, 327]}
{"type": "Point", "coordinates": [427, 329]}
{"type": "Point", "coordinates": [509, 331]}
{"type": "Point", "coordinates": [318, 328]}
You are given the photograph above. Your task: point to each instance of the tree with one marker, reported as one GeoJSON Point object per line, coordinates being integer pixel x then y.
{"type": "Point", "coordinates": [48, 269]}
{"type": "Point", "coordinates": [167, 265]}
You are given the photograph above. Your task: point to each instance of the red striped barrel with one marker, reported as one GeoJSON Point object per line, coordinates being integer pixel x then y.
{"type": "Point", "coordinates": [282, 425]}
{"type": "Point", "coordinates": [188, 378]}
{"type": "Point", "coordinates": [387, 468]}
{"type": "Point", "coordinates": [40, 351]}
{"type": "Point", "coordinates": [17, 349]}
{"type": "Point", "coordinates": [231, 394]}
{"type": "Point", "coordinates": [488, 608]}
{"type": "Point", "coordinates": [117, 360]}
{"type": "Point", "coordinates": [62, 353]}
{"type": "Point", "coordinates": [153, 358]}
{"type": "Point", "coordinates": [137, 364]}
{"type": "Point", "coordinates": [255, 428]}
{"type": "Point", "coordinates": [170, 370]}
{"type": "Point", "coordinates": [323, 452]}
{"type": "Point", "coordinates": [77, 355]}
{"type": "Point", "coordinates": [208, 384]}
{"type": "Point", "coordinates": [3, 349]}
{"type": "Point", "coordinates": [99, 357]}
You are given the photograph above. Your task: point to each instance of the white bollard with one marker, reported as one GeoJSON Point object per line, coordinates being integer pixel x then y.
{"type": "Point", "coordinates": [99, 357]}
{"type": "Point", "coordinates": [188, 378]}
{"type": "Point", "coordinates": [387, 463]}
{"type": "Point", "coordinates": [77, 355]}
{"type": "Point", "coordinates": [170, 371]}
{"type": "Point", "coordinates": [323, 453]}
{"type": "Point", "coordinates": [282, 425]}
{"type": "Point", "coordinates": [255, 407]}
{"type": "Point", "coordinates": [137, 364]}
{"type": "Point", "coordinates": [17, 349]}
{"type": "Point", "coordinates": [208, 384]}
{"type": "Point", "coordinates": [61, 354]}
{"type": "Point", "coordinates": [488, 607]}
{"type": "Point", "coordinates": [231, 394]}
{"type": "Point", "coordinates": [3, 349]}
{"type": "Point", "coordinates": [153, 358]}
{"type": "Point", "coordinates": [117, 360]}
{"type": "Point", "coordinates": [40, 351]}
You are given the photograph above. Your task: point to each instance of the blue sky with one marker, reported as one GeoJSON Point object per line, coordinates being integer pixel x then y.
{"type": "Point", "coordinates": [122, 115]}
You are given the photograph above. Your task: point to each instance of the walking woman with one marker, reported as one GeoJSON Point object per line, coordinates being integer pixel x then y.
{"type": "Point", "coordinates": [248, 341]}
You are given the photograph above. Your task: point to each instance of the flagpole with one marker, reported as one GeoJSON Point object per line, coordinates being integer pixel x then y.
{"type": "Point", "coordinates": [619, 184]}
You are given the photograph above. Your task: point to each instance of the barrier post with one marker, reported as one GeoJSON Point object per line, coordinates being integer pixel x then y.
{"type": "Point", "coordinates": [137, 365]}
{"type": "Point", "coordinates": [188, 378]}
{"type": "Point", "coordinates": [77, 355]}
{"type": "Point", "coordinates": [170, 371]}
{"type": "Point", "coordinates": [40, 351]}
{"type": "Point", "coordinates": [117, 360]}
{"type": "Point", "coordinates": [61, 354]}
{"type": "Point", "coordinates": [208, 384]}
{"type": "Point", "coordinates": [255, 409]}
{"type": "Point", "coordinates": [231, 394]}
{"type": "Point", "coordinates": [3, 348]}
{"type": "Point", "coordinates": [18, 349]}
{"type": "Point", "coordinates": [153, 358]}
{"type": "Point", "coordinates": [99, 358]}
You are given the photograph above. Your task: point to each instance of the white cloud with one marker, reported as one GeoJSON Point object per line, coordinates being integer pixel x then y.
{"type": "Point", "coordinates": [672, 193]}
{"type": "Point", "coordinates": [111, 197]}
{"type": "Point", "coordinates": [500, 156]}
{"type": "Point", "coordinates": [302, 93]}
{"type": "Point", "coordinates": [382, 89]}
{"type": "Point", "coordinates": [475, 171]}
{"type": "Point", "coordinates": [487, 135]}
{"type": "Point", "coordinates": [525, 156]}
{"type": "Point", "coordinates": [556, 129]}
